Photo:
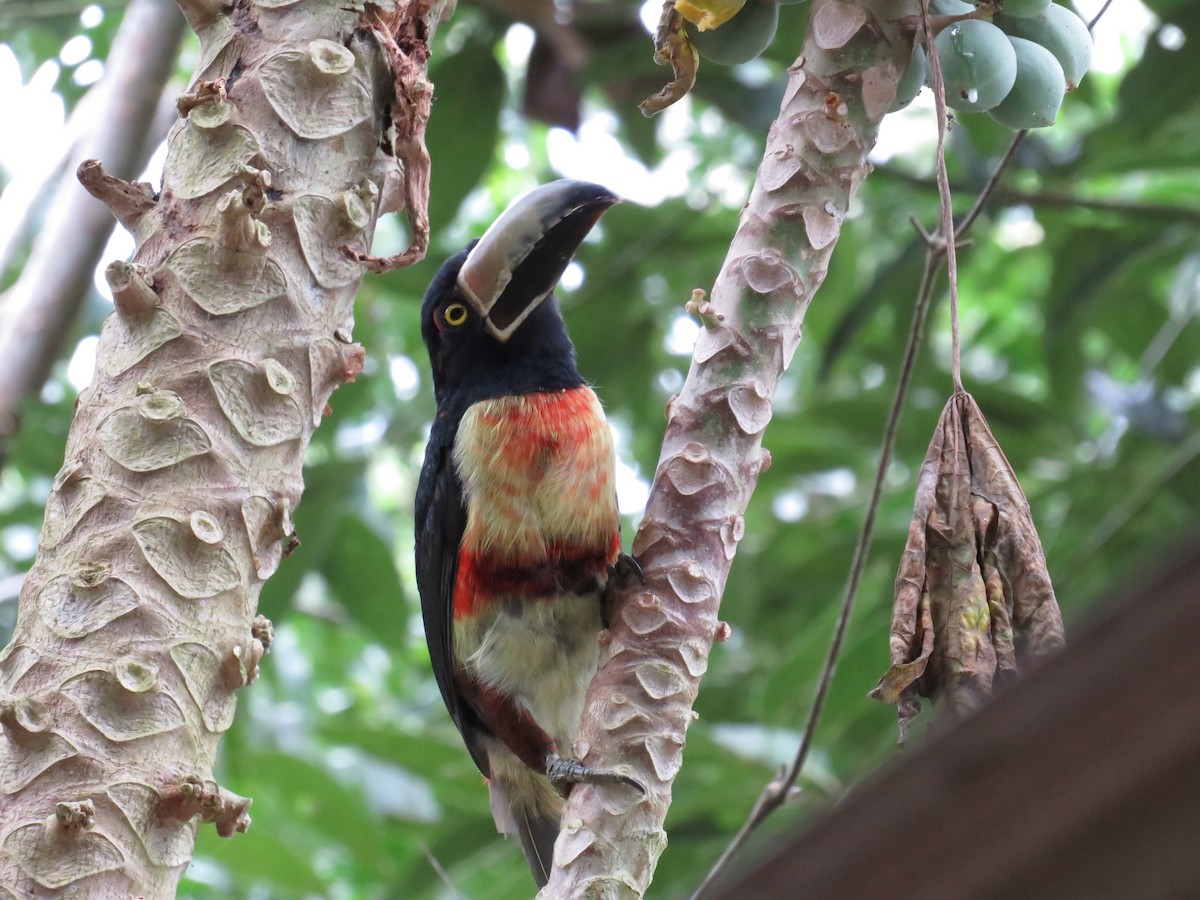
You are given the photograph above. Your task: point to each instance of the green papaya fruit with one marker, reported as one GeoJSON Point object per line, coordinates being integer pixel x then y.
{"type": "Point", "coordinates": [978, 64]}
{"type": "Point", "coordinates": [1061, 32]}
{"type": "Point", "coordinates": [912, 80]}
{"type": "Point", "coordinates": [742, 38]}
{"type": "Point", "coordinates": [1024, 7]}
{"type": "Point", "coordinates": [1038, 91]}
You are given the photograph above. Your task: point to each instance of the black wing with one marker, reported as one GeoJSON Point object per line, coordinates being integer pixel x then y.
{"type": "Point", "coordinates": [441, 519]}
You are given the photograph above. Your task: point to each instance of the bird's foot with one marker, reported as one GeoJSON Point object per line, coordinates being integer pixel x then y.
{"type": "Point", "coordinates": [625, 566]}
{"type": "Point", "coordinates": [618, 572]}
{"type": "Point", "coordinates": [565, 772]}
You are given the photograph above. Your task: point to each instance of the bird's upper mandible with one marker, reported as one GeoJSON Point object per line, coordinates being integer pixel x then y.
{"type": "Point", "coordinates": [519, 260]}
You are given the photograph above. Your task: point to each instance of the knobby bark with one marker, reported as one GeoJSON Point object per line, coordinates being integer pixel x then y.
{"type": "Point", "coordinates": [640, 703]}
{"type": "Point", "coordinates": [136, 624]}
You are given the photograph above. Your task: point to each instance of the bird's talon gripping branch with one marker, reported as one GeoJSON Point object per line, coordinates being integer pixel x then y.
{"type": "Point", "coordinates": [625, 566]}
{"type": "Point", "coordinates": [564, 772]}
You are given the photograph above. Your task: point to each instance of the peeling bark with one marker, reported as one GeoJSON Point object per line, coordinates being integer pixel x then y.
{"type": "Point", "coordinates": [136, 625]}
{"type": "Point", "coordinates": [640, 704]}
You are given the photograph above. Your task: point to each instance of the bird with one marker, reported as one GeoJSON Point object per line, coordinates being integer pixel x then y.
{"type": "Point", "coordinates": [517, 527]}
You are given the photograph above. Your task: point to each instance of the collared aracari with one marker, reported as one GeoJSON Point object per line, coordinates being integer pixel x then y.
{"type": "Point", "coordinates": [517, 532]}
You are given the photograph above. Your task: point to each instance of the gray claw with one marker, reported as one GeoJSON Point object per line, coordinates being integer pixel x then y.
{"type": "Point", "coordinates": [565, 772]}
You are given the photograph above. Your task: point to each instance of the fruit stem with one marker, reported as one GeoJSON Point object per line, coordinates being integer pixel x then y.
{"type": "Point", "coordinates": [937, 24]}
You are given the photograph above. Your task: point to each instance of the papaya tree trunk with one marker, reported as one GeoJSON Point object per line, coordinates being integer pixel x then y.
{"type": "Point", "coordinates": [640, 704]}
{"type": "Point", "coordinates": [136, 625]}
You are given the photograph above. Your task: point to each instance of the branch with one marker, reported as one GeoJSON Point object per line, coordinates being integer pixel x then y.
{"type": "Point", "coordinates": [946, 235]}
{"type": "Point", "coordinates": [24, 197]}
{"type": "Point", "coordinates": [25, 200]}
{"type": "Point", "coordinates": [1052, 199]}
{"type": "Point", "coordinates": [41, 307]}
{"type": "Point", "coordinates": [1159, 212]}
{"type": "Point", "coordinates": [640, 703]}
{"type": "Point", "coordinates": [547, 20]}
{"type": "Point", "coordinates": [1139, 497]}
{"type": "Point", "coordinates": [128, 201]}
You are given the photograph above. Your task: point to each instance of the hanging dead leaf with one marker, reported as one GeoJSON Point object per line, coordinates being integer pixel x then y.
{"type": "Point", "coordinates": [671, 45]}
{"type": "Point", "coordinates": [403, 37]}
{"type": "Point", "coordinates": [974, 603]}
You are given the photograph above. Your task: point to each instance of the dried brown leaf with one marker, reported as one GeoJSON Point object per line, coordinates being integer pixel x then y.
{"type": "Point", "coordinates": [671, 45]}
{"type": "Point", "coordinates": [1036, 619]}
{"type": "Point", "coordinates": [973, 603]}
{"type": "Point", "coordinates": [1001, 616]}
{"type": "Point", "coordinates": [403, 37]}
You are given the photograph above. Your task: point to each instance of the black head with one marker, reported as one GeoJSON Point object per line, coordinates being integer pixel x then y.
{"type": "Point", "coordinates": [489, 320]}
{"type": "Point", "coordinates": [469, 363]}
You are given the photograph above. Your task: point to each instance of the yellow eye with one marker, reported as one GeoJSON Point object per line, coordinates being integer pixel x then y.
{"type": "Point", "coordinates": [455, 314]}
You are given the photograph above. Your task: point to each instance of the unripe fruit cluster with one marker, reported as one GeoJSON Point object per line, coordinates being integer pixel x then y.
{"type": "Point", "coordinates": [1016, 68]}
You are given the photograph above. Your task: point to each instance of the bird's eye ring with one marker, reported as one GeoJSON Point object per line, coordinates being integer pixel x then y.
{"type": "Point", "coordinates": [455, 314]}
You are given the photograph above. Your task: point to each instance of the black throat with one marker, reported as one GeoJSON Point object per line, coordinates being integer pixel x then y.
{"type": "Point", "coordinates": [470, 365]}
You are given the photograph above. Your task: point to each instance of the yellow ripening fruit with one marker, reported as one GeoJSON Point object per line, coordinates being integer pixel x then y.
{"type": "Point", "coordinates": [706, 14]}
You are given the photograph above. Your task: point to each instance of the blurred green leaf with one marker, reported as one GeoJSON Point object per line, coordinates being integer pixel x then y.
{"type": "Point", "coordinates": [1157, 102]}
{"type": "Point", "coordinates": [362, 576]}
{"type": "Point", "coordinates": [274, 859]}
{"type": "Point", "coordinates": [329, 486]}
{"type": "Point", "coordinates": [469, 87]}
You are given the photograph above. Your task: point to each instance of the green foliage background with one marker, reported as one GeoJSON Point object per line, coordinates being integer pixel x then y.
{"type": "Point", "coordinates": [1081, 346]}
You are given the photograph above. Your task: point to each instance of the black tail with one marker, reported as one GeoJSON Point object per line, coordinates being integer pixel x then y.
{"type": "Point", "coordinates": [520, 810]}
{"type": "Point", "coordinates": [538, 834]}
